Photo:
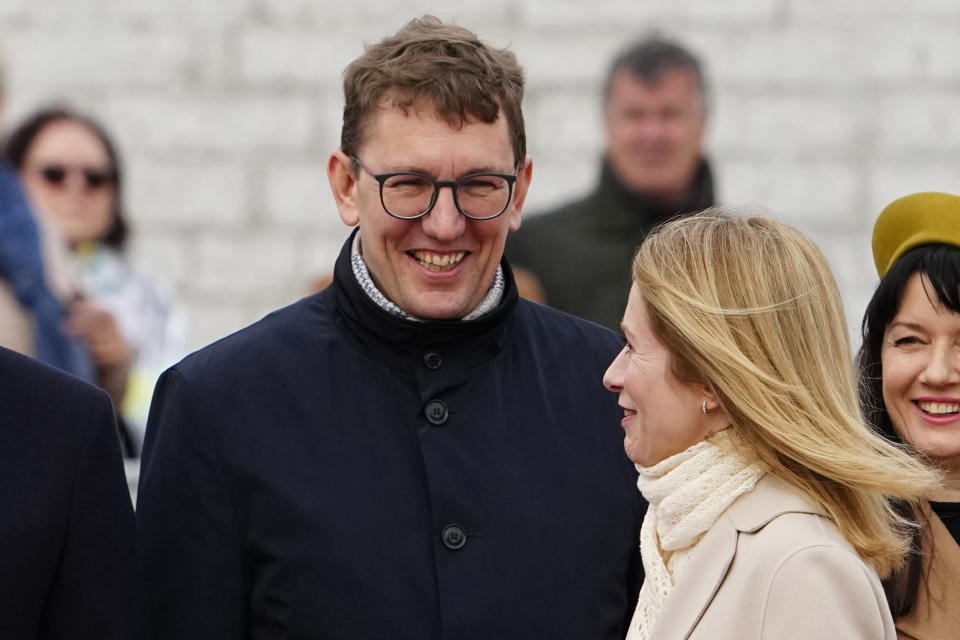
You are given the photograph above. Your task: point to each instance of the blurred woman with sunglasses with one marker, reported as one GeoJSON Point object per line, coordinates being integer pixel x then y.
{"type": "Point", "coordinates": [71, 173]}
{"type": "Point", "coordinates": [910, 391]}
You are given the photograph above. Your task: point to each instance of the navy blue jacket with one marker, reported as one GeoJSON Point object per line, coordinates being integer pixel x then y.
{"type": "Point", "coordinates": [336, 472]}
{"type": "Point", "coordinates": [68, 566]}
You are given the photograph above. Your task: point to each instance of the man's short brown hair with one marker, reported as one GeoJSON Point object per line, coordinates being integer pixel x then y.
{"type": "Point", "coordinates": [441, 65]}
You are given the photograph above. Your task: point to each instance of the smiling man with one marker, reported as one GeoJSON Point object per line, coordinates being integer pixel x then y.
{"type": "Point", "coordinates": [413, 452]}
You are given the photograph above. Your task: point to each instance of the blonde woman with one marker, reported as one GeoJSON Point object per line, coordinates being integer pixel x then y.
{"type": "Point", "coordinates": [769, 498]}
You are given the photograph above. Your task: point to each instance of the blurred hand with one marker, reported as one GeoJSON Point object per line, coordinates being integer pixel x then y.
{"type": "Point", "coordinates": [110, 351]}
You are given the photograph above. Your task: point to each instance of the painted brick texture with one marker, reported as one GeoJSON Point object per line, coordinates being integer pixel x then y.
{"type": "Point", "coordinates": [225, 112]}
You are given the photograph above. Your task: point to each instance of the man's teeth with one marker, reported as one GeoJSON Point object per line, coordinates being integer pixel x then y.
{"type": "Point", "coordinates": [939, 408]}
{"type": "Point", "coordinates": [439, 262]}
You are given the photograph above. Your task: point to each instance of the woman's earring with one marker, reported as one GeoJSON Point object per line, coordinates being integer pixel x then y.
{"type": "Point", "coordinates": [703, 407]}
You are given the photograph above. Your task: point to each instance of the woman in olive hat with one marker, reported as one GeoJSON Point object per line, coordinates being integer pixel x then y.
{"type": "Point", "coordinates": [910, 390]}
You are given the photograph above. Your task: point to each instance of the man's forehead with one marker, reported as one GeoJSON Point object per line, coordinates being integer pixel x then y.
{"type": "Point", "coordinates": [676, 86]}
{"type": "Point", "coordinates": [423, 107]}
{"type": "Point", "coordinates": [395, 118]}
{"type": "Point", "coordinates": [655, 82]}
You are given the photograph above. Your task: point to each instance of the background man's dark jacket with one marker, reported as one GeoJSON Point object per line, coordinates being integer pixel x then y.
{"type": "Point", "coordinates": [336, 472]}
{"type": "Point", "coordinates": [68, 566]}
{"type": "Point", "coordinates": [582, 251]}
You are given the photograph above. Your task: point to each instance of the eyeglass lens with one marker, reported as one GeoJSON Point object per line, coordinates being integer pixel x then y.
{"type": "Point", "coordinates": [479, 196]}
{"type": "Point", "coordinates": [95, 178]}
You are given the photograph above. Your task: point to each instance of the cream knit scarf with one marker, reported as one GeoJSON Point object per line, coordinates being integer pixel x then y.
{"type": "Point", "coordinates": [687, 492]}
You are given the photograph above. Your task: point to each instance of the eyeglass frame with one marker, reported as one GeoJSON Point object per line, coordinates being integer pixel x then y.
{"type": "Point", "coordinates": [511, 179]}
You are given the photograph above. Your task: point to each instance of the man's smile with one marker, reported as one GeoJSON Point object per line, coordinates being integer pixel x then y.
{"type": "Point", "coordinates": [437, 261]}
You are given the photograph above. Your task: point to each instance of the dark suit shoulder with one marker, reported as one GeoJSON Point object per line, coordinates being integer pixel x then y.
{"type": "Point", "coordinates": [67, 544]}
{"type": "Point", "coordinates": [35, 393]}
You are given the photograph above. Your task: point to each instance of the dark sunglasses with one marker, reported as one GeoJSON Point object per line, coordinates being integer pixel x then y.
{"type": "Point", "coordinates": [56, 174]}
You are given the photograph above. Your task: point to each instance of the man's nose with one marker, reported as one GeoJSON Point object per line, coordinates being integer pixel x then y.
{"type": "Point", "coordinates": [444, 222]}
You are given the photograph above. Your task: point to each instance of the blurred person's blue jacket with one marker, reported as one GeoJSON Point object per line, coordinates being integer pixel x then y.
{"type": "Point", "coordinates": [21, 264]}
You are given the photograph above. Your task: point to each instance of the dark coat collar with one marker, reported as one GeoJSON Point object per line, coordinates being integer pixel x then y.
{"type": "Point", "coordinates": [634, 209]}
{"type": "Point", "coordinates": [400, 343]}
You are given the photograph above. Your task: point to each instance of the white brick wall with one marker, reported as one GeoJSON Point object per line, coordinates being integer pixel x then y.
{"type": "Point", "coordinates": [225, 112]}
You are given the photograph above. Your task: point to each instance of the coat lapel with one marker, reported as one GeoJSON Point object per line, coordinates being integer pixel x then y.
{"type": "Point", "coordinates": [709, 563]}
{"type": "Point", "coordinates": [704, 573]}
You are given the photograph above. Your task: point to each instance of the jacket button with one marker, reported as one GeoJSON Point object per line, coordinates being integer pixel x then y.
{"type": "Point", "coordinates": [453, 536]}
{"type": "Point", "coordinates": [436, 412]}
{"type": "Point", "coordinates": [432, 360]}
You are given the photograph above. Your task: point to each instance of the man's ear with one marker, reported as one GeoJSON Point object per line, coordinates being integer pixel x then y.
{"type": "Point", "coordinates": [343, 183]}
{"type": "Point", "coordinates": [524, 175]}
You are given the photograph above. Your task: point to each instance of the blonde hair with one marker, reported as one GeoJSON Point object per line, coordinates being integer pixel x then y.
{"type": "Point", "coordinates": [749, 307]}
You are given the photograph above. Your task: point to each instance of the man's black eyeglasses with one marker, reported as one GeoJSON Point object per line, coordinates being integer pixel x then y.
{"type": "Point", "coordinates": [408, 196]}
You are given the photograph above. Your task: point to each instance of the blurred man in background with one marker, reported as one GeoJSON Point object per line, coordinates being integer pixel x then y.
{"type": "Point", "coordinates": [655, 115]}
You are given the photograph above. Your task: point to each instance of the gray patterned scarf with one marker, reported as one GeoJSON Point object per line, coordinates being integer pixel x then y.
{"type": "Point", "coordinates": [360, 272]}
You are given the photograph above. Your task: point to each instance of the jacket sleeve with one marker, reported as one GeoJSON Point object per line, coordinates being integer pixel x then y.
{"type": "Point", "coordinates": [825, 592]}
{"type": "Point", "coordinates": [193, 562]}
{"type": "Point", "coordinates": [95, 592]}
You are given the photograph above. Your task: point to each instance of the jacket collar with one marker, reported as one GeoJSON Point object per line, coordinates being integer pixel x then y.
{"type": "Point", "coordinates": [714, 554]}
{"type": "Point", "coordinates": [636, 209]}
{"type": "Point", "coordinates": [399, 343]}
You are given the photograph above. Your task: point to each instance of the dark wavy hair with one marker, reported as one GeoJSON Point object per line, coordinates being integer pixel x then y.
{"type": "Point", "coordinates": [652, 56]}
{"type": "Point", "coordinates": [445, 65]}
{"type": "Point", "coordinates": [939, 264]}
{"type": "Point", "coordinates": [17, 145]}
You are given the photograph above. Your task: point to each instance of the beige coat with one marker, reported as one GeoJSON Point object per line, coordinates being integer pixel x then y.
{"type": "Point", "coordinates": [17, 331]}
{"type": "Point", "coordinates": [772, 568]}
{"type": "Point", "coordinates": [16, 322]}
{"type": "Point", "coordinates": [937, 613]}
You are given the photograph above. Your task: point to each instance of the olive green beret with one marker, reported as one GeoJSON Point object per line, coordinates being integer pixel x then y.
{"type": "Point", "coordinates": [920, 218]}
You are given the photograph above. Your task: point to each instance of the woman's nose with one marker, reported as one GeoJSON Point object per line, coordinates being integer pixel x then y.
{"type": "Point", "coordinates": [943, 368]}
{"type": "Point", "coordinates": [613, 376]}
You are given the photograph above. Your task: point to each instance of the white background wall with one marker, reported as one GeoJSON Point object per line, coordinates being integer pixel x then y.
{"type": "Point", "coordinates": [226, 110]}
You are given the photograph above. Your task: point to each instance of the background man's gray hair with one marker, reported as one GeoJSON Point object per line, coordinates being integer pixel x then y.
{"type": "Point", "coordinates": [652, 56]}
